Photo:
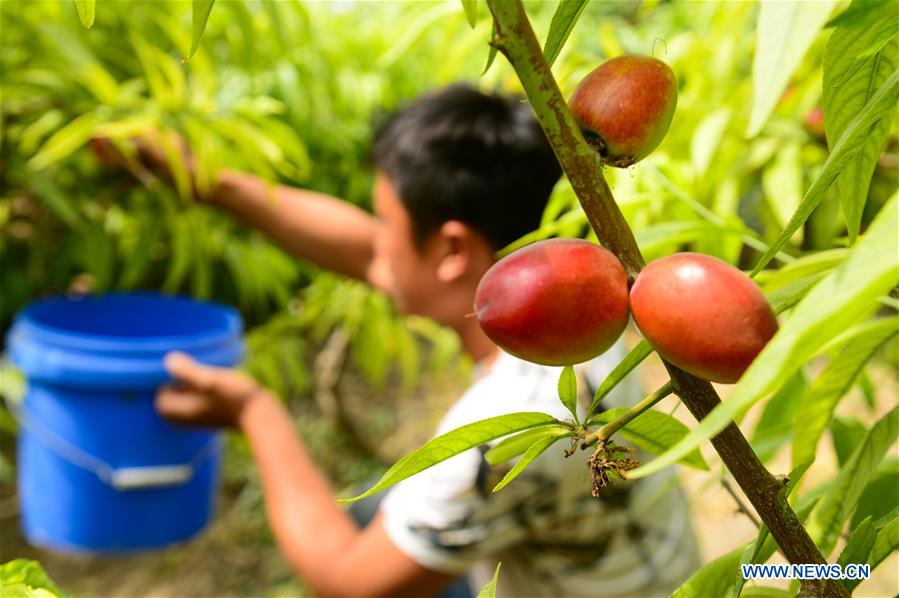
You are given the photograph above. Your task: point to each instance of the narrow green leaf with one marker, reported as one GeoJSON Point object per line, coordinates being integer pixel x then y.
{"type": "Point", "coordinates": [86, 11]}
{"type": "Point", "coordinates": [775, 426]}
{"type": "Point", "coordinates": [564, 20]}
{"type": "Point", "coordinates": [527, 458]}
{"type": "Point", "coordinates": [842, 496]}
{"type": "Point", "coordinates": [858, 547]}
{"type": "Point", "coordinates": [887, 519]}
{"type": "Point", "coordinates": [713, 579]}
{"type": "Point", "coordinates": [199, 16]}
{"type": "Point", "coordinates": [880, 495]}
{"type": "Point", "coordinates": [491, 55]}
{"type": "Point", "coordinates": [454, 442]}
{"type": "Point", "coordinates": [850, 80]}
{"type": "Point", "coordinates": [820, 401]}
{"type": "Point", "coordinates": [858, 12]}
{"type": "Point", "coordinates": [471, 11]}
{"type": "Point", "coordinates": [814, 263]}
{"type": "Point", "coordinates": [511, 447]}
{"type": "Point", "coordinates": [64, 141]}
{"type": "Point", "coordinates": [568, 390]}
{"type": "Point", "coordinates": [851, 141]}
{"type": "Point", "coordinates": [846, 433]}
{"type": "Point", "coordinates": [786, 297]}
{"type": "Point", "coordinates": [489, 590]}
{"type": "Point", "coordinates": [627, 365]}
{"type": "Point", "coordinates": [830, 307]}
{"type": "Point", "coordinates": [29, 576]}
{"type": "Point", "coordinates": [784, 33]}
{"type": "Point", "coordinates": [885, 544]}
{"type": "Point", "coordinates": [654, 432]}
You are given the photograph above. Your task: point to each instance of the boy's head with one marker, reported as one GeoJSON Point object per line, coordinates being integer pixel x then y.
{"type": "Point", "coordinates": [460, 174]}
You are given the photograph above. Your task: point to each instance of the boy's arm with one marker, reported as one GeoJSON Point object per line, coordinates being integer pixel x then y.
{"type": "Point", "coordinates": [325, 230]}
{"type": "Point", "coordinates": [318, 538]}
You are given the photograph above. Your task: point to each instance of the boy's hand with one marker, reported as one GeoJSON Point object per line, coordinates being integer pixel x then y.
{"type": "Point", "coordinates": [204, 395]}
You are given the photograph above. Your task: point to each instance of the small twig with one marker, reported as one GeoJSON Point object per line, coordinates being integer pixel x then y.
{"type": "Point", "coordinates": [741, 507]}
{"type": "Point", "coordinates": [606, 431]}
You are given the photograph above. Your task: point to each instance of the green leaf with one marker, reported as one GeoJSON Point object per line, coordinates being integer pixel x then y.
{"type": "Point", "coordinates": [859, 545]}
{"type": "Point", "coordinates": [471, 11]}
{"type": "Point", "coordinates": [491, 55]}
{"type": "Point", "coordinates": [29, 575]}
{"type": "Point", "coordinates": [65, 141]}
{"type": "Point", "coordinates": [830, 307]}
{"type": "Point", "coordinates": [631, 360]}
{"type": "Point", "coordinates": [511, 447]}
{"type": "Point", "coordinates": [857, 12]}
{"type": "Point", "coordinates": [200, 10]}
{"type": "Point", "coordinates": [879, 496]}
{"type": "Point", "coordinates": [808, 265]}
{"type": "Point", "coordinates": [786, 297]}
{"type": "Point", "coordinates": [850, 79]}
{"type": "Point", "coordinates": [86, 11]}
{"type": "Point", "coordinates": [846, 433]}
{"type": "Point", "coordinates": [454, 442]}
{"type": "Point", "coordinates": [489, 590]}
{"type": "Point", "coordinates": [564, 20]}
{"type": "Point", "coordinates": [885, 544]}
{"type": "Point", "coordinates": [654, 432]}
{"type": "Point", "coordinates": [842, 496]}
{"type": "Point", "coordinates": [784, 33]}
{"type": "Point", "coordinates": [766, 592]}
{"type": "Point", "coordinates": [851, 141]}
{"type": "Point", "coordinates": [713, 579]}
{"type": "Point", "coordinates": [568, 390]}
{"type": "Point", "coordinates": [534, 451]}
{"type": "Point", "coordinates": [820, 400]}
{"type": "Point", "coordinates": [775, 426]}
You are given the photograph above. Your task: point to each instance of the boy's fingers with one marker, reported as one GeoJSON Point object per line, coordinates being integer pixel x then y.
{"type": "Point", "coordinates": [186, 369]}
{"type": "Point", "coordinates": [179, 405]}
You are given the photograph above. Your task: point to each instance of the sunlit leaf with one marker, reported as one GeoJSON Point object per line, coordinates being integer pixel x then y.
{"type": "Point", "coordinates": [568, 390]}
{"type": "Point", "coordinates": [859, 545]}
{"type": "Point", "coordinates": [880, 495]}
{"type": "Point", "coordinates": [784, 33]}
{"type": "Point", "coordinates": [775, 426]}
{"type": "Point", "coordinates": [631, 360]}
{"type": "Point", "coordinates": [846, 433]}
{"type": "Point", "coordinates": [829, 308]}
{"type": "Point", "coordinates": [471, 11]}
{"type": "Point", "coordinates": [841, 498]}
{"type": "Point", "coordinates": [817, 406]}
{"type": "Point", "coordinates": [511, 447]}
{"type": "Point", "coordinates": [564, 20]}
{"type": "Point", "coordinates": [454, 442]}
{"type": "Point", "coordinates": [489, 590]}
{"type": "Point", "coordinates": [713, 579]}
{"type": "Point", "coordinates": [200, 10]}
{"type": "Point", "coordinates": [851, 141]}
{"type": "Point", "coordinates": [86, 11]}
{"type": "Point", "coordinates": [65, 141]}
{"type": "Point", "coordinates": [527, 458]}
{"type": "Point", "coordinates": [850, 80]}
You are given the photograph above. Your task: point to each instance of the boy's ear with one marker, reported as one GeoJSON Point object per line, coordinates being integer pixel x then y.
{"type": "Point", "coordinates": [457, 245]}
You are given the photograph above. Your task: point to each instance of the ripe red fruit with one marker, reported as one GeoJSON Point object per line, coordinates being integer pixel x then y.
{"type": "Point", "coordinates": [624, 107]}
{"type": "Point", "coordinates": [554, 302]}
{"type": "Point", "coordinates": [702, 314]}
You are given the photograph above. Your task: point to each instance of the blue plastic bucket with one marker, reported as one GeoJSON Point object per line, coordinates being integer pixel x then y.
{"type": "Point", "coordinates": [99, 471]}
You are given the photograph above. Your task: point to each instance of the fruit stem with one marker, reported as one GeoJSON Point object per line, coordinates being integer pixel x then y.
{"type": "Point", "coordinates": [516, 40]}
{"type": "Point", "coordinates": [606, 431]}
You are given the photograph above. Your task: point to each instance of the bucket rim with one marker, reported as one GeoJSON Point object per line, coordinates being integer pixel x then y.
{"type": "Point", "coordinates": [26, 323]}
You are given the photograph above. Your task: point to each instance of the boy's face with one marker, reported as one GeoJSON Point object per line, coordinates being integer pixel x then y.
{"type": "Point", "coordinates": [401, 269]}
{"type": "Point", "coordinates": [438, 278]}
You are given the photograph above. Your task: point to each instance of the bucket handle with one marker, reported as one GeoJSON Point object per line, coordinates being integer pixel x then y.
{"type": "Point", "coordinates": [121, 478]}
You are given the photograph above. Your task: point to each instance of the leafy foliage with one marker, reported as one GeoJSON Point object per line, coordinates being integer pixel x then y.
{"type": "Point", "coordinates": [23, 578]}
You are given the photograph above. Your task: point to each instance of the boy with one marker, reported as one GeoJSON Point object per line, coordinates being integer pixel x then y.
{"type": "Point", "coordinates": [459, 174]}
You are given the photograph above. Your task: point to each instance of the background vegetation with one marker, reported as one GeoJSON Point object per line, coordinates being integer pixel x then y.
{"type": "Point", "coordinates": [290, 91]}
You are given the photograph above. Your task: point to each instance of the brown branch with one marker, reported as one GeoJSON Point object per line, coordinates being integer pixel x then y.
{"type": "Point", "coordinates": [516, 40]}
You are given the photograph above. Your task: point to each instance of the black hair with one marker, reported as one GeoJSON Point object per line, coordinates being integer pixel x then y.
{"type": "Point", "coordinates": [461, 154]}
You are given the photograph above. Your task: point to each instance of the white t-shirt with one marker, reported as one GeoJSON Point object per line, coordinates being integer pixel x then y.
{"type": "Point", "coordinates": [552, 537]}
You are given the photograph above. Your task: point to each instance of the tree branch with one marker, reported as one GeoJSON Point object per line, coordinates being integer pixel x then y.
{"type": "Point", "coordinates": [516, 40]}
